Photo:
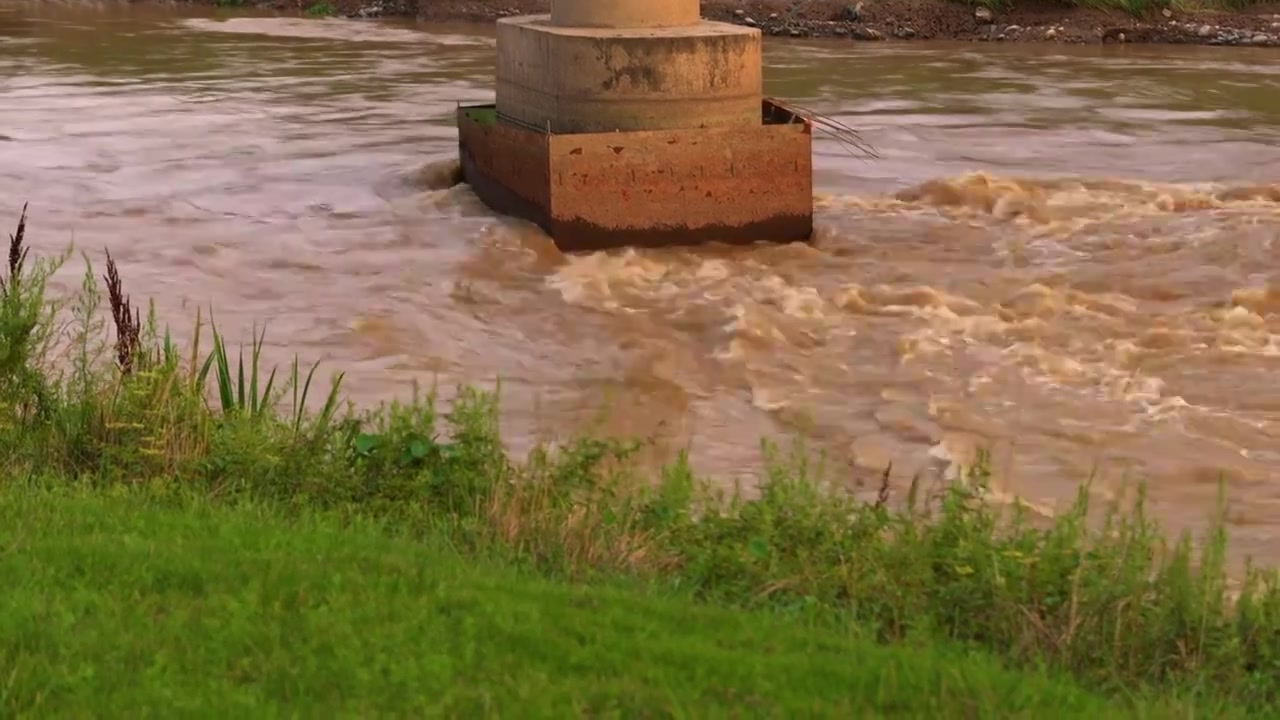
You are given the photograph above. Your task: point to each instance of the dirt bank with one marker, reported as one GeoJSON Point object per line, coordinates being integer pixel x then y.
{"type": "Point", "coordinates": [871, 20]}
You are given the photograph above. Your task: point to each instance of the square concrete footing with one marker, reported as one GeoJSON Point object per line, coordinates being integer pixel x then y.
{"type": "Point", "coordinates": [650, 188]}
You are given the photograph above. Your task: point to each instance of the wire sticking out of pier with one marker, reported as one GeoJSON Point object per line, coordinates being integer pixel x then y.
{"type": "Point", "coordinates": [845, 136]}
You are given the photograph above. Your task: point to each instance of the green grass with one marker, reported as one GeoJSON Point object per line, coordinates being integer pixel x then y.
{"type": "Point", "coordinates": [484, 114]}
{"type": "Point", "coordinates": [124, 606]}
{"type": "Point", "coordinates": [1101, 596]}
{"type": "Point", "coordinates": [321, 9]}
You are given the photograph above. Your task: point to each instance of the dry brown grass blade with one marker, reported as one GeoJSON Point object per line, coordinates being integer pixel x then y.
{"type": "Point", "coordinates": [128, 320]}
{"type": "Point", "coordinates": [17, 254]}
{"type": "Point", "coordinates": [882, 496]}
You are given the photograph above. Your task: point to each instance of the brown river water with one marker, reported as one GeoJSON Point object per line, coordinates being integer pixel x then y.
{"type": "Point", "coordinates": [1070, 255]}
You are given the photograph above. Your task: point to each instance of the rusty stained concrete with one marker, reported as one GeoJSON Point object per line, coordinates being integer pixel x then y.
{"type": "Point", "coordinates": [638, 67]}
{"type": "Point", "coordinates": [648, 188]}
{"type": "Point", "coordinates": [508, 167]}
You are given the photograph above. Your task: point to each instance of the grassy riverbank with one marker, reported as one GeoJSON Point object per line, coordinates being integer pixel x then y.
{"type": "Point", "coordinates": [151, 487]}
{"type": "Point", "coordinates": [132, 603]}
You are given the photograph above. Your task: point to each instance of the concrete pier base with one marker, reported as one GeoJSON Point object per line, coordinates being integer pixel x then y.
{"type": "Point", "coordinates": [636, 123]}
{"type": "Point", "coordinates": [647, 188]}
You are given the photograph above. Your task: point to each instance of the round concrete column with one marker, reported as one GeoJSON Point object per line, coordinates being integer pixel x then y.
{"type": "Point", "coordinates": [625, 13]}
{"type": "Point", "coordinates": [580, 80]}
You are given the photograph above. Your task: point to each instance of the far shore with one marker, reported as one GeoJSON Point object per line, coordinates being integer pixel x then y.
{"type": "Point", "coordinates": [1193, 22]}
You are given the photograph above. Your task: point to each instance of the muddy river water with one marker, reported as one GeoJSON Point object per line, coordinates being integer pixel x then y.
{"type": "Point", "coordinates": [1068, 255]}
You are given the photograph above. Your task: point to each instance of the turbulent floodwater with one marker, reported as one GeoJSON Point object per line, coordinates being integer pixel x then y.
{"type": "Point", "coordinates": [1068, 255]}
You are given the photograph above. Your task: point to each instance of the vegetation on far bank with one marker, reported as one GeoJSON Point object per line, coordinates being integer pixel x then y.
{"type": "Point", "coordinates": [1137, 8]}
{"type": "Point", "coordinates": [830, 10]}
{"type": "Point", "coordinates": [146, 468]}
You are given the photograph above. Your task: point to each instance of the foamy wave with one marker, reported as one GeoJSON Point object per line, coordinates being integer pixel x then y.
{"type": "Point", "coordinates": [1033, 310]}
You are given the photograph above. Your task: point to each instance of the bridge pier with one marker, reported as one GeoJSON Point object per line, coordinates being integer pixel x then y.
{"type": "Point", "coordinates": [636, 123]}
